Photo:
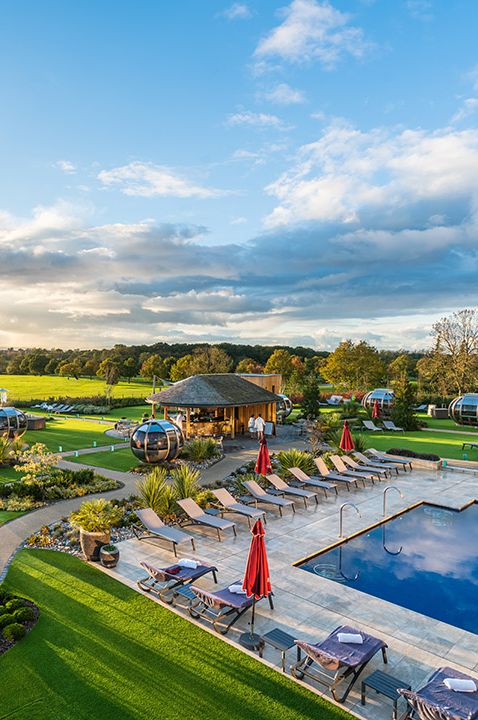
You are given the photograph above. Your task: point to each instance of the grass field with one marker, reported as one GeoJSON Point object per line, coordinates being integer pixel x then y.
{"type": "Point", "coordinates": [122, 460]}
{"type": "Point", "coordinates": [101, 650]}
{"type": "Point", "coordinates": [446, 445]}
{"type": "Point", "coordinates": [70, 434]}
{"type": "Point", "coordinates": [42, 387]}
{"type": "Point", "coordinates": [6, 515]}
{"type": "Point", "coordinates": [8, 474]}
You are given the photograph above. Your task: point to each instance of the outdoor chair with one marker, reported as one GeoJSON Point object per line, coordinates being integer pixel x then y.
{"type": "Point", "coordinates": [230, 504]}
{"type": "Point", "coordinates": [260, 495]}
{"type": "Point", "coordinates": [370, 425]}
{"type": "Point", "coordinates": [197, 516]}
{"type": "Point", "coordinates": [283, 487]}
{"type": "Point", "coordinates": [336, 476]}
{"type": "Point", "coordinates": [302, 477]}
{"type": "Point", "coordinates": [163, 582]}
{"type": "Point", "coordinates": [384, 457]}
{"type": "Point", "coordinates": [421, 408]}
{"type": "Point", "coordinates": [222, 609]}
{"type": "Point", "coordinates": [341, 467]}
{"type": "Point", "coordinates": [334, 400]}
{"type": "Point", "coordinates": [364, 460]}
{"type": "Point", "coordinates": [434, 701]}
{"type": "Point", "coordinates": [390, 425]}
{"type": "Point", "coordinates": [380, 473]}
{"type": "Point", "coordinates": [156, 529]}
{"type": "Point", "coordinates": [332, 662]}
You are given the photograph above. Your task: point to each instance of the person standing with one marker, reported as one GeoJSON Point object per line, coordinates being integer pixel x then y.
{"type": "Point", "coordinates": [260, 426]}
{"type": "Point", "coordinates": [251, 426]}
{"type": "Point", "coordinates": [179, 420]}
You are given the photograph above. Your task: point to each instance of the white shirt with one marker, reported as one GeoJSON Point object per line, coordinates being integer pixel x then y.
{"type": "Point", "coordinates": [179, 420]}
{"type": "Point", "coordinates": [260, 424]}
{"type": "Point", "coordinates": [252, 424]}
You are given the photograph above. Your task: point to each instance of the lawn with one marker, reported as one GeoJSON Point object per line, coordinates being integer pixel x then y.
{"type": "Point", "coordinates": [42, 387]}
{"type": "Point", "coordinates": [123, 460]}
{"type": "Point", "coordinates": [101, 650]}
{"type": "Point", "coordinates": [6, 515]}
{"type": "Point", "coordinates": [134, 412]}
{"type": "Point", "coordinates": [446, 445]}
{"type": "Point", "coordinates": [7, 474]}
{"type": "Point", "coordinates": [70, 434]}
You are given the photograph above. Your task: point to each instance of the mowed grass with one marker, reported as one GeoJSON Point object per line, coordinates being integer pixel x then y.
{"type": "Point", "coordinates": [6, 515]}
{"type": "Point", "coordinates": [7, 474]}
{"type": "Point", "coordinates": [70, 434]}
{"type": "Point", "coordinates": [122, 460]}
{"type": "Point", "coordinates": [445, 445]}
{"type": "Point", "coordinates": [102, 650]}
{"type": "Point", "coordinates": [42, 387]}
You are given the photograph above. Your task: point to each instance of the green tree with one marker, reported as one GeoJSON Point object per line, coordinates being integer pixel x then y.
{"type": "Point", "coordinates": [248, 365]}
{"type": "Point", "coordinates": [399, 367]}
{"type": "Point", "coordinates": [311, 396]}
{"type": "Point", "coordinates": [70, 369]}
{"type": "Point", "coordinates": [182, 368]}
{"type": "Point", "coordinates": [210, 360]}
{"type": "Point", "coordinates": [130, 368]}
{"type": "Point", "coordinates": [90, 368]}
{"type": "Point", "coordinates": [154, 365]}
{"type": "Point", "coordinates": [404, 401]}
{"type": "Point", "coordinates": [354, 366]}
{"type": "Point", "coordinates": [456, 349]}
{"type": "Point", "coordinates": [37, 363]}
{"type": "Point", "coordinates": [280, 362]}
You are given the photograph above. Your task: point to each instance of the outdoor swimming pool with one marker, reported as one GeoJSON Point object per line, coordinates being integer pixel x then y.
{"type": "Point", "coordinates": [425, 559]}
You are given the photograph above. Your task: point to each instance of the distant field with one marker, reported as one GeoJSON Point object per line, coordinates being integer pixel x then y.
{"type": "Point", "coordinates": [122, 460]}
{"type": "Point", "coordinates": [32, 387]}
{"type": "Point", "coordinates": [70, 434]}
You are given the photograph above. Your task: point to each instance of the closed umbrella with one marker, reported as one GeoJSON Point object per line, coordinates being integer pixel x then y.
{"type": "Point", "coordinates": [376, 410]}
{"type": "Point", "coordinates": [346, 441]}
{"type": "Point", "coordinates": [257, 582]}
{"type": "Point", "coordinates": [263, 463]}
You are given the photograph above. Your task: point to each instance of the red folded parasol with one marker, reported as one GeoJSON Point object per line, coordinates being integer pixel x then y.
{"type": "Point", "coordinates": [376, 410]}
{"type": "Point", "coordinates": [263, 463]}
{"type": "Point", "coordinates": [257, 582]}
{"type": "Point", "coordinates": [346, 441]}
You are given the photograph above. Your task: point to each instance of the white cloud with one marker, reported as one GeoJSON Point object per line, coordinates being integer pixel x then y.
{"type": "Point", "coordinates": [312, 30]}
{"type": "Point", "coordinates": [239, 221]}
{"type": "Point", "coordinates": [259, 120]}
{"type": "Point", "coordinates": [148, 180]}
{"type": "Point", "coordinates": [284, 94]}
{"type": "Point", "coordinates": [468, 107]}
{"type": "Point", "coordinates": [237, 11]}
{"type": "Point", "coordinates": [65, 166]}
{"type": "Point", "coordinates": [420, 9]}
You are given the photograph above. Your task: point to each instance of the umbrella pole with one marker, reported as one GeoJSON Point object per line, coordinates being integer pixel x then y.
{"type": "Point", "coordinates": [253, 613]}
{"type": "Point", "coordinates": [249, 639]}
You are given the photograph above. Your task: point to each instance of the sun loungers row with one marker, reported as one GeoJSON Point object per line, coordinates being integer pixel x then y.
{"type": "Point", "coordinates": [387, 425]}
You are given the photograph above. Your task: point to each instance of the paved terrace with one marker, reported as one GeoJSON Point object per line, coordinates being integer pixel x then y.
{"type": "Point", "coordinates": [309, 607]}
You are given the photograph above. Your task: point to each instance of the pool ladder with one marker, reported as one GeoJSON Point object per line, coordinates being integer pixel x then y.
{"type": "Point", "coordinates": [389, 487]}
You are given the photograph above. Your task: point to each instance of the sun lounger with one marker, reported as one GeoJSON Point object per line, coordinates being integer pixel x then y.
{"type": "Point", "coordinates": [222, 608]}
{"type": "Point", "coordinates": [341, 467]}
{"type": "Point", "coordinates": [332, 662]}
{"type": "Point", "coordinates": [353, 465]}
{"type": "Point", "coordinates": [434, 701]}
{"type": "Point", "coordinates": [389, 425]}
{"type": "Point", "coordinates": [421, 408]}
{"type": "Point", "coordinates": [301, 476]}
{"type": "Point", "coordinates": [283, 487]}
{"type": "Point", "coordinates": [197, 516]}
{"type": "Point", "coordinates": [384, 457]}
{"type": "Point", "coordinates": [230, 504]}
{"type": "Point", "coordinates": [334, 400]}
{"type": "Point", "coordinates": [363, 459]}
{"type": "Point", "coordinates": [164, 582]}
{"type": "Point", "coordinates": [260, 495]}
{"type": "Point", "coordinates": [369, 425]}
{"type": "Point", "coordinates": [337, 477]}
{"type": "Point", "coordinates": [158, 530]}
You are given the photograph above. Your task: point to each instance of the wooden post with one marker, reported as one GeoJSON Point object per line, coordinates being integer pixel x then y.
{"type": "Point", "coordinates": [233, 423]}
{"type": "Point", "coordinates": [166, 413]}
{"type": "Point", "coordinates": [188, 423]}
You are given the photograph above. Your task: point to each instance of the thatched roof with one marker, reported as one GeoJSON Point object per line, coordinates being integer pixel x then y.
{"type": "Point", "coordinates": [225, 390]}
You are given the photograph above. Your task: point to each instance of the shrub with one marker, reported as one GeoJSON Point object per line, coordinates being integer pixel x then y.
{"type": "Point", "coordinates": [151, 489]}
{"type": "Point", "coordinates": [96, 516]}
{"type": "Point", "coordinates": [360, 442]}
{"type": "Point", "coordinates": [405, 452]}
{"type": "Point", "coordinates": [4, 596]}
{"type": "Point", "coordinates": [295, 458]}
{"type": "Point", "coordinates": [201, 449]}
{"type": "Point", "coordinates": [205, 498]}
{"type": "Point", "coordinates": [24, 614]}
{"type": "Point", "coordinates": [14, 604]}
{"type": "Point", "coordinates": [185, 482]}
{"type": "Point", "coordinates": [14, 632]}
{"type": "Point", "coordinates": [6, 619]}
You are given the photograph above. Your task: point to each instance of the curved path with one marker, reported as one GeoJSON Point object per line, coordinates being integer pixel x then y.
{"type": "Point", "coordinates": [14, 532]}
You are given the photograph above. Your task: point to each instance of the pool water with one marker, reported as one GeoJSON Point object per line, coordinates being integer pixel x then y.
{"type": "Point", "coordinates": [425, 559]}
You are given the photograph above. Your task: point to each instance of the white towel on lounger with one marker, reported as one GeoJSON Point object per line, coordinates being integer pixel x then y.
{"type": "Point", "coordinates": [460, 684]}
{"type": "Point", "coordinates": [353, 638]}
{"type": "Point", "coordinates": [237, 589]}
{"type": "Point", "coordinates": [187, 563]}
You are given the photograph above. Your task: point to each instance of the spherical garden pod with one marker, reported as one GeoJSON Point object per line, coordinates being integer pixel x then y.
{"type": "Point", "coordinates": [156, 440]}
{"type": "Point", "coordinates": [464, 409]}
{"type": "Point", "coordinates": [284, 405]}
{"type": "Point", "coordinates": [13, 422]}
{"type": "Point", "coordinates": [384, 397]}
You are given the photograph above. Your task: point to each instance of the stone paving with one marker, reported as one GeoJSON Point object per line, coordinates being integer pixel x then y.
{"type": "Point", "coordinates": [308, 606]}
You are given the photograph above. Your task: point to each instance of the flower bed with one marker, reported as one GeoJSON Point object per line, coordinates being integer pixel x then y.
{"type": "Point", "coordinates": [17, 617]}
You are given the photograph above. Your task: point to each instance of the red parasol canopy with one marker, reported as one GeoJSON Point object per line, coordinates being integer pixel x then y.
{"type": "Point", "coordinates": [346, 441]}
{"type": "Point", "coordinates": [263, 464]}
{"type": "Point", "coordinates": [256, 577]}
{"type": "Point", "coordinates": [376, 410]}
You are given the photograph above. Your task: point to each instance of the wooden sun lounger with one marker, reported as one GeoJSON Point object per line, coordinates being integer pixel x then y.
{"type": "Point", "coordinates": [283, 487]}
{"type": "Point", "coordinates": [301, 476]}
{"type": "Point", "coordinates": [164, 582]}
{"type": "Point", "coordinates": [260, 495]}
{"type": "Point", "coordinates": [156, 529]}
{"type": "Point", "coordinates": [222, 609]}
{"type": "Point", "coordinates": [230, 504]}
{"type": "Point", "coordinates": [197, 516]}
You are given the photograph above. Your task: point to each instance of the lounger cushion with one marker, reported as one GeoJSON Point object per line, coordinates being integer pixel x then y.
{"type": "Point", "coordinates": [223, 598]}
{"type": "Point", "coordinates": [435, 696]}
{"type": "Point", "coordinates": [176, 571]}
{"type": "Point", "coordinates": [332, 654]}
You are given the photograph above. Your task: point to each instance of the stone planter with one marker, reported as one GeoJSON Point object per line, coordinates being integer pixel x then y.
{"type": "Point", "coordinates": [91, 543]}
{"type": "Point", "coordinates": [109, 556]}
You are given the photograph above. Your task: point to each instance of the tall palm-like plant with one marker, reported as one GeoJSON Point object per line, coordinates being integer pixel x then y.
{"type": "Point", "coordinates": [185, 482]}
{"type": "Point", "coordinates": [152, 488]}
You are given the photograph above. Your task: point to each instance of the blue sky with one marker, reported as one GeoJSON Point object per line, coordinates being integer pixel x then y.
{"type": "Point", "coordinates": [265, 172]}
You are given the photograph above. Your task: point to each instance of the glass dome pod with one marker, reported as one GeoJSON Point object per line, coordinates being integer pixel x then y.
{"type": "Point", "coordinates": [13, 422]}
{"type": "Point", "coordinates": [464, 409]}
{"type": "Point", "coordinates": [384, 397]}
{"type": "Point", "coordinates": [284, 405]}
{"type": "Point", "coordinates": [156, 440]}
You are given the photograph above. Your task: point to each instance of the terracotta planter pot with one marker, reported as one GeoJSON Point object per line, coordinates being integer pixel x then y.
{"type": "Point", "coordinates": [91, 543]}
{"type": "Point", "coordinates": [109, 558]}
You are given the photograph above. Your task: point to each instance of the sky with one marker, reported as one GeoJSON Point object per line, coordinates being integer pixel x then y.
{"type": "Point", "coordinates": [252, 172]}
